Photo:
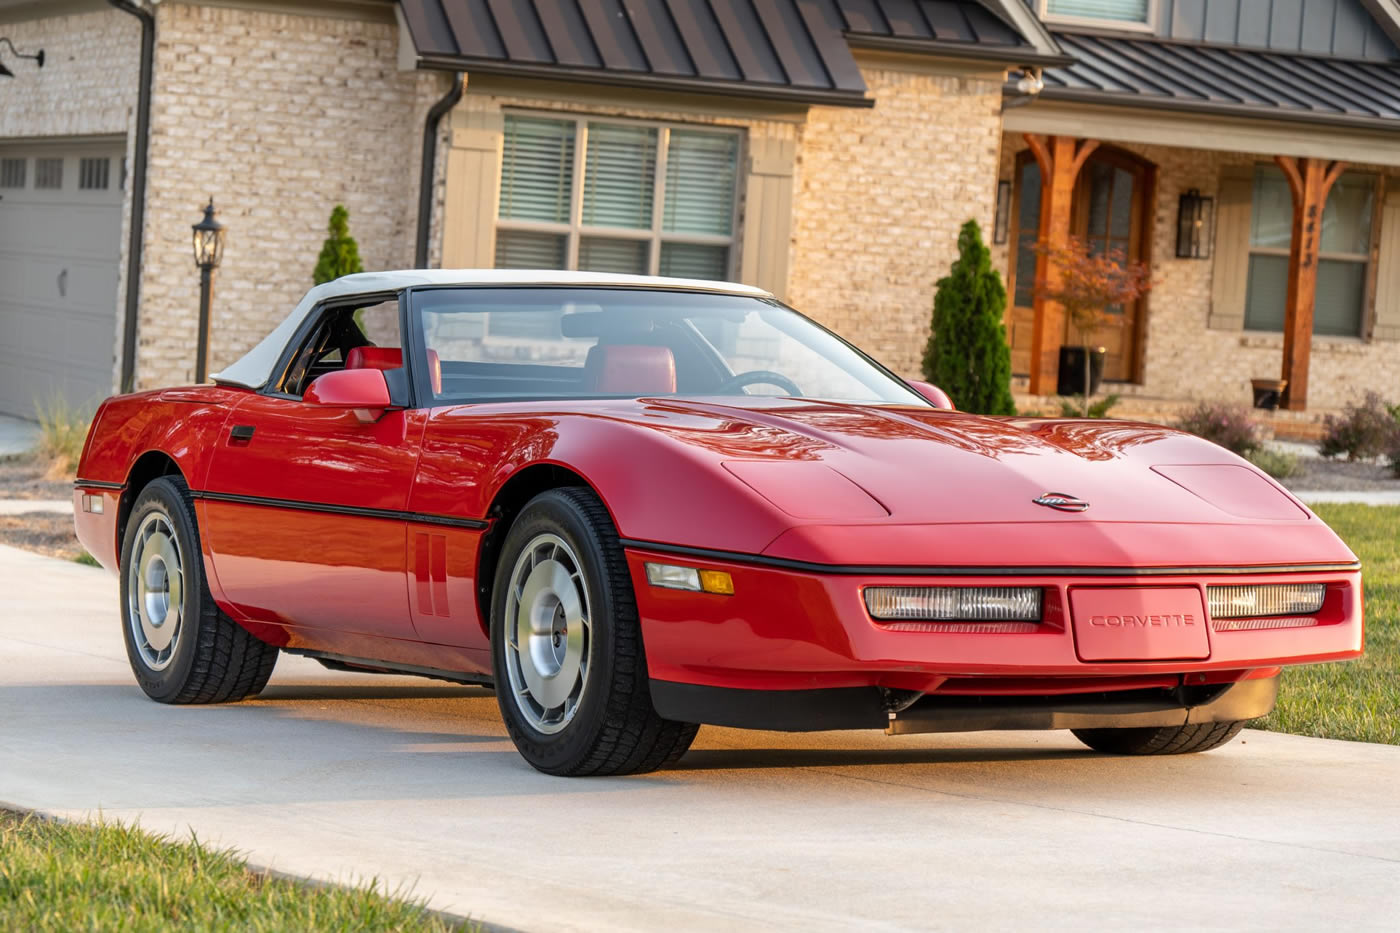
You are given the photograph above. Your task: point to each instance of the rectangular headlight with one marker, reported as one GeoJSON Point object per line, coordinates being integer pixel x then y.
{"type": "Point", "coordinates": [1269, 599]}
{"type": "Point", "coordinates": [955, 603]}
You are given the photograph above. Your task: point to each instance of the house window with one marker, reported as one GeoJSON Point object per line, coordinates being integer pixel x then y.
{"type": "Point", "coordinates": [48, 173]}
{"type": "Point", "coordinates": [1117, 12]}
{"type": "Point", "coordinates": [1343, 253]}
{"type": "Point", "coordinates": [93, 174]}
{"type": "Point", "coordinates": [12, 173]}
{"type": "Point", "coordinates": [608, 196]}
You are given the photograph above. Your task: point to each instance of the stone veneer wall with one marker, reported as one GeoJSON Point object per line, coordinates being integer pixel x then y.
{"type": "Point", "coordinates": [881, 195]}
{"type": "Point", "coordinates": [87, 86]}
{"type": "Point", "coordinates": [279, 117]}
{"type": "Point", "coordinates": [1187, 359]}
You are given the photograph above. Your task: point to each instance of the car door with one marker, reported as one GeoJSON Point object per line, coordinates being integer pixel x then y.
{"type": "Point", "coordinates": [304, 505]}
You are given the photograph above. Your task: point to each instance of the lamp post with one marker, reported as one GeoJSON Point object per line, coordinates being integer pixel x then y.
{"type": "Point", "coordinates": [208, 252]}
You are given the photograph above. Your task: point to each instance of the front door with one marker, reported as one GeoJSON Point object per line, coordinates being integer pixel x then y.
{"type": "Point", "coordinates": [304, 505]}
{"type": "Point", "coordinates": [1110, 212]}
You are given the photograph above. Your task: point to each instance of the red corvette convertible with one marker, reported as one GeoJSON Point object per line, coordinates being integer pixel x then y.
{"type": "Point", "coordinates": [635, 505]}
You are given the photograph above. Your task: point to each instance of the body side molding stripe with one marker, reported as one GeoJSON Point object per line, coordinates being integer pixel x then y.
{"type": "Point", "coordinates": [906, 571]}
{"type": "Point", "coordinates": [358, 511]}
{"type": "Point", "coordinates": [96, 484]}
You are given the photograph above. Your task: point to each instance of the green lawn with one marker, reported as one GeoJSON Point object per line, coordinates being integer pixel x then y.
{"type": "Point", "coordinates": [1357, 700]}
{"type": "Point", "coordinates": [71, 876]}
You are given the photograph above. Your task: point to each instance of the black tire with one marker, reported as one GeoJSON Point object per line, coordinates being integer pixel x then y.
{"type": "Point", "coordinates": [213, 659]}
{"type": "Point", "coordinates": [1167, 740]}
{"type": "Point", "coordinates": [614, 728]}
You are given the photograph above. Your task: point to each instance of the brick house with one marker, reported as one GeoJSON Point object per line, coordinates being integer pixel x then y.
{"type": "Point", "coordinates": [827, 150]}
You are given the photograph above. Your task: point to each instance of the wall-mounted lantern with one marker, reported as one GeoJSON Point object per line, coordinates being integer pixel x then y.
{"type": "Point", "coordinates": [1193, 216]}
{"type": "Point", "coordinates": [37, 57]}
{"type": "Point", "coordinates": [1002, 218]}
{"type": "Point", "coordinates": [208, 253]}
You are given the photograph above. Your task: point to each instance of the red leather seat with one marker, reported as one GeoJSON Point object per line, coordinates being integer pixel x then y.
{"type": "Point", "coordinates": [374, 358]}
{"type": "Point", "coordinates": [392, 358]}
{"type": "Point", "coordinates": [626, 369]}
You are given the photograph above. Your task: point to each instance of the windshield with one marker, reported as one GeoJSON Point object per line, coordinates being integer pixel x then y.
{"type": "Point", "coordinates": [520, 343]}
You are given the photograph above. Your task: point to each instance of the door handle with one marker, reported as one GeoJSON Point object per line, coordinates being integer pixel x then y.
{"type": "Point", "coordinates": [241, 432]}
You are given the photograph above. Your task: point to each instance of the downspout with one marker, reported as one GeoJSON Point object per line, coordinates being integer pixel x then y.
{"type": "Point", "coordinates": [136, 240]}
{"type": "Point", "coordinates": [429, 168]}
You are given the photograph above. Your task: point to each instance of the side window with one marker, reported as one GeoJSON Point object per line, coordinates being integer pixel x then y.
{"type": "Point", "coordinates": [372, 328]}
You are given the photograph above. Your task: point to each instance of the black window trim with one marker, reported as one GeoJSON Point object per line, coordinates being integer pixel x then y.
{"type": "Point", "coordinates": [313, 320]}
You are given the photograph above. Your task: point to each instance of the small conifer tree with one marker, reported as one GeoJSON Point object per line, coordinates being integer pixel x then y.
{"type": "Point", "coordinates": [341, 254]}
{"type": "Point", "coordinates": [967, 355]}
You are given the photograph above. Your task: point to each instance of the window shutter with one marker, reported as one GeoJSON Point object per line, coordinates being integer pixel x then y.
{"type": "Point", "coordinates": [767, 228]}
{"type": "Point", "coordinates": [472, 186]}
{"type": "Point", "coordinates": [1387, 325]}
{"type": "Point", "coordinates": [1229, 278]}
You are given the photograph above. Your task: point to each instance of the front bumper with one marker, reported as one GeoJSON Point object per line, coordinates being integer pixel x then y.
{"type": "Point", "coordinates": [868, 708]}
{"type": "Point", "coordinates": [787, 629]}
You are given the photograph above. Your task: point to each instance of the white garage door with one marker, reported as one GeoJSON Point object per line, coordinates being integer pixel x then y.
{"type": "Point", "coordinates": [60, 241]}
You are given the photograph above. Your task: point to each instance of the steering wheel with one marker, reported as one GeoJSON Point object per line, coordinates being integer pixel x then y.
{"type": "Point", "coordinates": [758, 377]}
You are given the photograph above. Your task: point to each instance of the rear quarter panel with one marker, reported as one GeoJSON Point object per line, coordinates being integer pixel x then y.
{"type": "Point", "coordinates": [183, 424]}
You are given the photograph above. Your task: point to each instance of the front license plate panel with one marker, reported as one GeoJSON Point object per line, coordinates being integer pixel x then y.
{"type": "Point", "coordinates": [1139, 623]}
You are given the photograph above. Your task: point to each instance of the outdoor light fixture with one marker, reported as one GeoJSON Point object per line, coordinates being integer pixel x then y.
{"type": "Point", "coordinates": [208, 253]}
{"type": "Point", "coordinates": [1002, 219]}
{"type": "Point", "coordinates": [1193, 225]}
{"type": "Point", "coordinates": [37, 57]}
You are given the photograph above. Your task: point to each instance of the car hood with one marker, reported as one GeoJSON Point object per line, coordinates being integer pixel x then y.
{"type": "Point", "coordinates": [932, 466]}
{"type": "Point", "coordinates": [866, 485]}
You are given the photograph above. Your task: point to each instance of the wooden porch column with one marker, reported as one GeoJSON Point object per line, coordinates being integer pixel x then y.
{"type": "Point", "coordinates": [1060, 158]}
{"type": "Point", "coordinates": [1310, 181]}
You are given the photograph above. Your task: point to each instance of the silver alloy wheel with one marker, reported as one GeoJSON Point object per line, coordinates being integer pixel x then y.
{"type": "Point", "coordinates": [547, 630]}
{"type": "Point", "coordinates": [155, 591]}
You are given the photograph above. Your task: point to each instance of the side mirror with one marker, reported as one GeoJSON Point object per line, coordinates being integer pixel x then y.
{"type": "Point", "coordinates": [363, 390]}
{"type": "Point", "coordinates": [933, 393]}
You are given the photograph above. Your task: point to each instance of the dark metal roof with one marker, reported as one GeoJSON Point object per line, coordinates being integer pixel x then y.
{"type": "Point", "coordinates": [790, 49]}
{"type": "Point", "coordinates": [953, 28]}
{"type": "Point", "coordinates": [928, 20]}
{"type": "Point", "coordinates": [1149, 72]}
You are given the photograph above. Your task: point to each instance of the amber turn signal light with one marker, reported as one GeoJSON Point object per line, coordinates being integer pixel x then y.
{"type": "Point", "coordinates": [675, 577]}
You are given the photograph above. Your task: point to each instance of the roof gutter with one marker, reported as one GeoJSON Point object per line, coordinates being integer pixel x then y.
{"type": "Point", "coordinates": [480, 66]}
{"type": "Point", "coordinates": [1010, 56]}
{"type": "Point", "coordinates": [136, 238]}
{"type": "Point", "coordinates": [1243, 111]}
{"type": "Point", "coordinates": [428, 172]}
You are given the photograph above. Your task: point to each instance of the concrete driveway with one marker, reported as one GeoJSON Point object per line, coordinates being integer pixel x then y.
{"type": "Point", "coordinates": [343, 776]}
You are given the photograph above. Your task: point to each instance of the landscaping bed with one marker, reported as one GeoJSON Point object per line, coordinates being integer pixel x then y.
{"type": "Point", "coordinates": [1315, 473]}
{"type": "Point", "coordinates": [48, 533]}
{"type": "Point", "coordinates": [74, 876]}
{"type": "Point", "coordinates": [25, 476]}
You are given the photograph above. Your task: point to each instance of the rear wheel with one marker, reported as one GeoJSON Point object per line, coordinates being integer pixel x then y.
{"type": "Point", "coordinates": [566, 645]}
{"type": "Point", "coordinates": [1166, 740]}
{"type": "Point", "coordinates": [182, 648]}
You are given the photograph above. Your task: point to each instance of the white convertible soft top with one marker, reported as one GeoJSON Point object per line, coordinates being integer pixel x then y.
{"type": "Point", "coordinates": [255, 367]}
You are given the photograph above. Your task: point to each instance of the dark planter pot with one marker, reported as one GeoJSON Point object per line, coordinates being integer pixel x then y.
{"type": "Point", "coordinates": [1268, 392]}
{"type": "Point", "coordinates": [1071, 381]}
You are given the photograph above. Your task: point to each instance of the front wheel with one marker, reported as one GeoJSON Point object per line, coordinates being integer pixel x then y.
{"type": "Point", "coordinates": [1166, 740]}
{"type": "Point", "coordinates": [566, 645]}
